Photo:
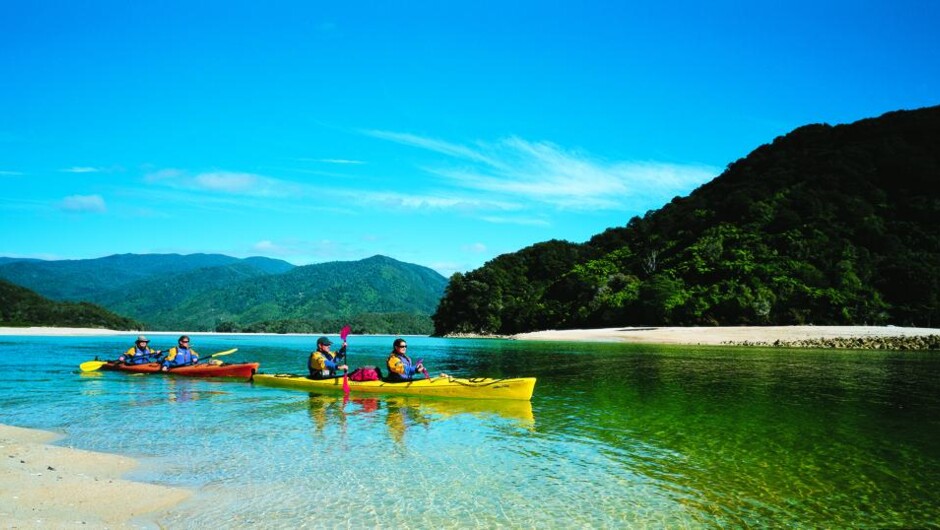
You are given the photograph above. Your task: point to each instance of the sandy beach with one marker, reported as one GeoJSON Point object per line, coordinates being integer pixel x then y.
{"type": "Point", "coordinates": [641, 335]}
{"type": "Point", "coordinates": [48, 486]}
{"type": "Point", "coordinates": [725, 335]}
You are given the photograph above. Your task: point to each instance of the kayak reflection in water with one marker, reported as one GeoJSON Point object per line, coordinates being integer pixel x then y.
{"type": "Point", "coordinates": [400, 366]}
{"type": "Point", "coordinates": [323, 408]}
{"type": "Point", "coordinates": [401, 415]}
{"type": "Point", "coordinates": [180, 355]}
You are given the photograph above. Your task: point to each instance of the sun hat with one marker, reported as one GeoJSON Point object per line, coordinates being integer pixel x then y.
{"type": "Point", "coordinates": [141, 338]}
{"type": "Point", "coordinates": [323, 341]}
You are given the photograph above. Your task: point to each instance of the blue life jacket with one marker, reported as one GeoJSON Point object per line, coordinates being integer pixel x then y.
{"type": "Point", "coordinates": [135, 355]}
{"type": "Point", "coordinates": [179, 356]}
{"type": "Point", "coordinates": [398, 362]}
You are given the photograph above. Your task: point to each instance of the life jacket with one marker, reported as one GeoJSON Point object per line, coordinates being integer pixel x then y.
{"type": "Point", "coordinates": [400, 367]}
{"type": "Point", "coordinates": [322, 364]}
{"type": "Point", "coordinates": [180, 356]}
{"type": "Point", "coordinates": [134, 355]}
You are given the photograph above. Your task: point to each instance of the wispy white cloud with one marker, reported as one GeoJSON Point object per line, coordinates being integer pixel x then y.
{"type": "Point", "coordinates": [476, 248]}
{"type": "Point", "coordinates": [438, 146]}
{"type": "Point", "coordinates": [228, 182]}
{"type": "Point", "coordinates": [524, 221]}
{"type": "Point", "coordinates": [415, 201]}
{"type": "Point", "coordinates": [303, 251]}
{"type": "Point", "coordinates": [269, 248]}
{"type": "Point", "coordinates": [81, 169]}
{"type": "Point", "coordinates": [83, 203]}
{"type": "Point", "coordinates": [10, 173]}
{"type": "Point", "coordinates": [340, 161]}
{"type": "Point", "coordinates": [550, 175]}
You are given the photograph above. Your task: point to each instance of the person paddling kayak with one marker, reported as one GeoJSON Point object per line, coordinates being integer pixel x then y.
{"type": "Point", "coordinates": [140, 352]}
{"type": "Point", "coordinates": [180, 355]}
{"type": "Point", "coordinates": [322, 363]}
{"type": "Point", "coordinates": [400, 367]}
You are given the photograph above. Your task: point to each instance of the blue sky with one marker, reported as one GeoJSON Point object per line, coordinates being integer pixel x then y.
{"type": "Point", "coordinates": [438, 133]}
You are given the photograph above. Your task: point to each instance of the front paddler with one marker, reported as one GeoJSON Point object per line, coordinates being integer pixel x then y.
{"type": "Point", "coordinates": [180, 355]}
{"type": "Point", "coordinates": [322, 363]}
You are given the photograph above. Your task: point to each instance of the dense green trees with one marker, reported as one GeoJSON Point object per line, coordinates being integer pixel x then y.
{"type": "Point", "coordinates": [21, 307]}
{"type": "Point", "coordinates": [827, 225]}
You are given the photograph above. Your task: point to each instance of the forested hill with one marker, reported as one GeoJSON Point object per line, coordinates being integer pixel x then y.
{"type": "Point", "coordinates": [374, 295]}
{"type": "Point", "coordinates": [21, 307]}
{"type": "Point", "coordinates": [826, 225]}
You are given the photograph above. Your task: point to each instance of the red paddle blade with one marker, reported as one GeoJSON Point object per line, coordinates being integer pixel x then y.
{"type": "Point", "coordinates": [344, 332]}
{"type": "Point", "coordinates": [345, 385]}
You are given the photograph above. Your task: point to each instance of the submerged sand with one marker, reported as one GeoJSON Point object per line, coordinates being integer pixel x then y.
{"type": "Point", "coordinates": [48, 486]}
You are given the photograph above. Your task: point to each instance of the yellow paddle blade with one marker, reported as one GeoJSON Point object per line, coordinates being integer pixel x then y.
{"type": "Point", "coordinates": [221, 353]}
{"type": "Point", "coordinates": [91, 366]}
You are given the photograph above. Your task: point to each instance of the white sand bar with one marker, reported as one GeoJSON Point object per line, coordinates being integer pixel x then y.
{"type": "Point", "coordinates": [47, 486]}
{"type": "Point", "coordinates": [723, 334]}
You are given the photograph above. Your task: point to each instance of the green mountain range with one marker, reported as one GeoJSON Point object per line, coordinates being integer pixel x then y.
{"type": "Point", "coordinates": [826, 225]}
{"type": "Point", "coordinates": [205, 292]}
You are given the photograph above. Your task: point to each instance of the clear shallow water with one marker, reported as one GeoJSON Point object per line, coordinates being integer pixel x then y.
{"type": "Point", "coordinates": [616, 435]}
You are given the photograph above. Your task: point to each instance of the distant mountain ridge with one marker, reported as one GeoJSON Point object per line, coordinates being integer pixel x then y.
{"type": "Point", "coordinates": [211, 291]}
{"type": "Point", "coordinates": [87, 279]}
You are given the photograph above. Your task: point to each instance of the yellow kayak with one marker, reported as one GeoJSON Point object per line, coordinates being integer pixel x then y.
{"type": "Point", "coordinates": [441, 386]}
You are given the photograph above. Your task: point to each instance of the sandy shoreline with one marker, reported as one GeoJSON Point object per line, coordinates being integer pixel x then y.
{"type": "Point", "coordinates": [724, 335]}
{"type": "Point", "coordinates": [49, 486]}
{"type": "Point", "coordinates": [642, 335]}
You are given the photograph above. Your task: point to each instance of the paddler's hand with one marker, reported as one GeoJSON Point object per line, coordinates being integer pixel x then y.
{"type": "Point", "coordinates": [343, 368]}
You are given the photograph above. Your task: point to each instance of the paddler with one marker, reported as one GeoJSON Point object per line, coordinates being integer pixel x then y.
{"type": "Point", "coordinates": [140, 352]}
{"type": "Point", "coordinates": [322, 363]}
{"type": "Point", "coordinates": [180, 355]}
{"type": "Point", "coordinates": [400, 366]}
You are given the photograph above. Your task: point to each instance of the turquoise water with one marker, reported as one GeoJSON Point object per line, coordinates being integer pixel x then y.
{"type": "Point", "coordinates": [615, 436]}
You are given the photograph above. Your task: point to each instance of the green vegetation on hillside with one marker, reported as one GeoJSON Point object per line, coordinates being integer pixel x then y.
{"type": "Point", "coordinates": [827, 225]}
{"type": "Point", "coordinates": [171, 292]}
{"type": "Point", "coordinates": [20, 307]}
{"type": "Point", "coordinates": [380, 294]}
{"type": "Point", "coordinates": [103, 279]}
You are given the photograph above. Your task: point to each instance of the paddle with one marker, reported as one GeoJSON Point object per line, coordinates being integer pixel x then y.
{"type": "Point", "coordinates": [423, 369]}
{"type": "Point", "coordinates": [91, 366]}
{"type": "Point", "coordinates": [342, 335]}
{"type": "Point", "coordinates": [221, 353]}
